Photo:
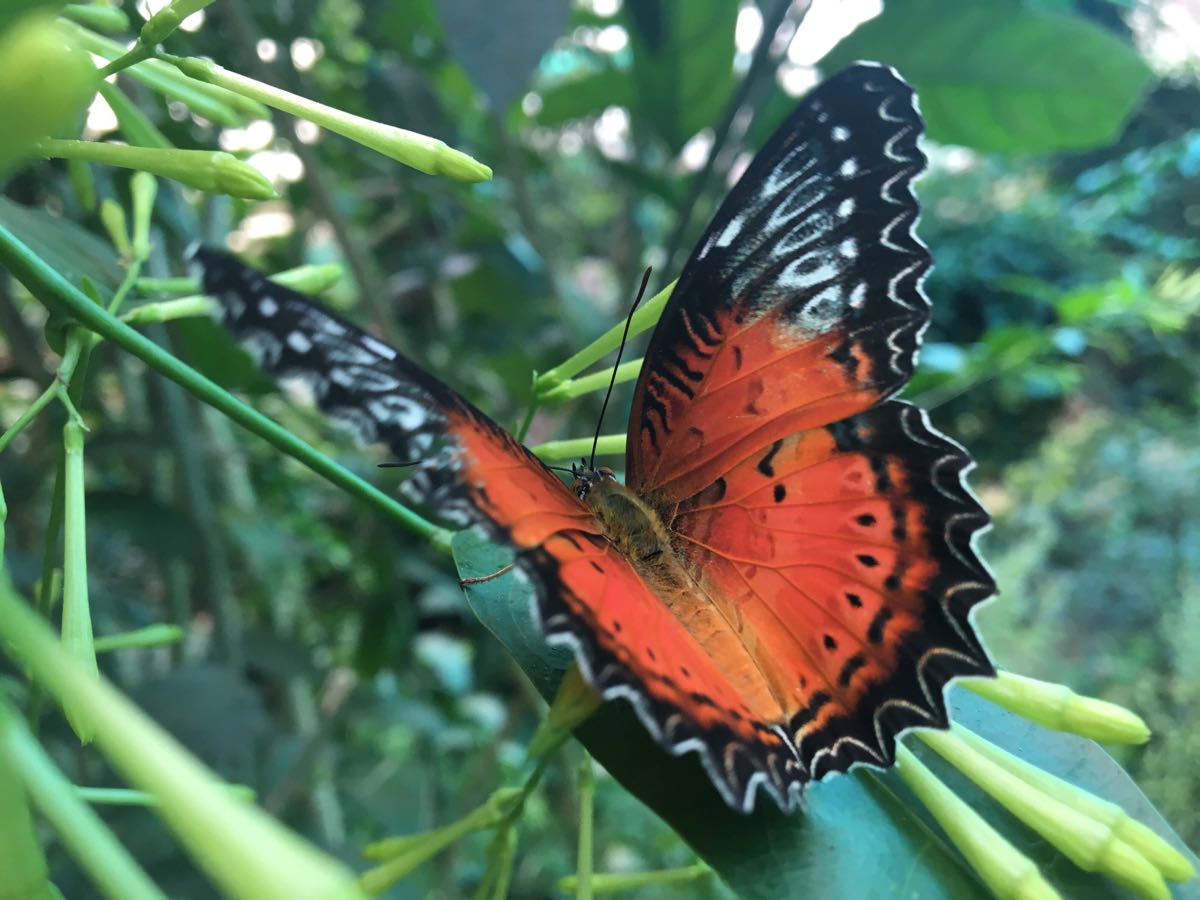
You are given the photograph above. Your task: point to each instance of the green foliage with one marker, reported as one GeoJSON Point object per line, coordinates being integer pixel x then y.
{"type": "Point", "coordinates": [1009, 92]}
{"type": "Point", "coordinates": [1099, 533]}
{"type": "Point", "coordinates": [329, 660]}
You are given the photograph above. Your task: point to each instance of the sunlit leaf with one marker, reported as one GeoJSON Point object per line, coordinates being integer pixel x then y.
{"type": "Point", "coordinates": [1001, 75]}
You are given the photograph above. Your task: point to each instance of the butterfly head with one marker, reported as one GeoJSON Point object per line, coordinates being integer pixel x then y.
{"type": "Point", "coordinates": [585, 478]}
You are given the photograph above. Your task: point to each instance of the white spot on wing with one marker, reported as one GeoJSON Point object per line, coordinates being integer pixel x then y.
{"type": "Point", "coordinates": [796, 278]}
{"type": "Point", "coordinates": [378, 347]}
{"type": "Point", "coordinates": [268, 307]}
{"type": "Point", "coordinates": [840, 133]}
{"type": "Point", "coordinates": [299, 342]}
{"type": "Point", "coordinates": [730, 231]}
{"type": "Point", "coordinates": [849, 168]}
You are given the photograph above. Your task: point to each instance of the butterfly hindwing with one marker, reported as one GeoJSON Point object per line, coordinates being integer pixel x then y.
{"type": "Point", "coordinates": [847, 549]}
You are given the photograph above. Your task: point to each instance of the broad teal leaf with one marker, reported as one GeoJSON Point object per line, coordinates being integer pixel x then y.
{"type": "Point", "coordinates": [999, 75]}
{"type": "Point", "coordinates": [859, 835]}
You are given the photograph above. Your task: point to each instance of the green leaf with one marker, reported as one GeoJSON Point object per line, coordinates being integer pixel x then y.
{"type": "Point", "coordinates": [69, 249]}
{"type": "Point", "coordinates": [859, 835]}
{"type": "Point", "coordinates": [1000, 76]}
{"type": "Point", "coordinates": [585, 95]}
{"type": "Point", "coordinates": [682, 65]}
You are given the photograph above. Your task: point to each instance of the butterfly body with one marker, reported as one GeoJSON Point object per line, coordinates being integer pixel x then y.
{"type": "Point", "coordinates": [785, 582]}
{"type": "Point", "coordinates": [635, 528]}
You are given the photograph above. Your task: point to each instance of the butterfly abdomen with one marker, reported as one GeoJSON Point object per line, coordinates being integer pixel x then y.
{"type": "Point", "coordinates": [630, 524]}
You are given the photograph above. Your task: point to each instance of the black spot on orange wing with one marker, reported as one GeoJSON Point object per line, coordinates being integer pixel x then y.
{"type": "Point", "coordinates": [764, 464]}
{"type": "Point", "coordinates": [907, 610]}
{"type": "Point", "coordinates": [875, 629]}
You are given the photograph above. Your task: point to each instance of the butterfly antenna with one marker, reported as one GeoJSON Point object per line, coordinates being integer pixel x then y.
{"type": "Point", "coordinates": [621, 349]}
{"type": "Point", "coordinates": [396, 465]}
{"type": "Point", "coordinates": [561, 469]}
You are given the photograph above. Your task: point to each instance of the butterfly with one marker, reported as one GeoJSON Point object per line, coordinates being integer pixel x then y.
{"type": "Point", "coordinates": [785, 581]}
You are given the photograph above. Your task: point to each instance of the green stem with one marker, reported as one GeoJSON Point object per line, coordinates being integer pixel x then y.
{"type": "Point", "coordinates": [77, 616]}
{"type": "Point", "coordinates": [57, 389]}
{"type": "Point", "coordinates": [1058, 707]}
{"type": "Point", "coordinates": [138, 53]}
{"type": "Point", "coordinates": [182, 285]}
{"type": "Point", "coordinates": [1086, 842]}
{"type": "Point", "coordinates": [171, 310]}
{"type": "Point", "coordinates": [50, 287]}
{"type": "Point", "coordinates": [1004, 869]}
{"type": "Point", "coordinates": [523, 428]}
{"type": "Point", "coordinates": [644, 318]}
{"type": "Point", "coordinates": [583, 858]}
{"type": "Point", "coordinates": [89, 840]}
{"type": "Point", "coordinates": [419, 151]}
{"type": "Point", "coordinates": [586, 384]}
{"type": "Point", "coordinates": [159, 635]}
{"type": "Point", "coordinates": [610, 884]}
{"type": "Point", "coordinates": [212, 171]}
{"type": "Point", "coordinates": [135, 126]}
{"type": "Point", "coordinates": [213, 103]}
{"type": "Point", "coordinates": [574, 448]}
{"type": "Point", "coordinates": [245, 852]}
{"type": "Point", "coordinates": [29, 415]}
{"type": "Point", "coordinates": [21, 857]}
{"type": "Point", "coordinates": [399, 856]}
{"type": "Point", "coordinates": [126, 797]}
{"type": "Point", "coordinates": [1173, 864]}
{"type": "Point", "coordinates": [106, 18]}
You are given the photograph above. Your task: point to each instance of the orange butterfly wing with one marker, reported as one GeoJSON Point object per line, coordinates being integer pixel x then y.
{"type": "Point", "coordinates": [831, 526]}
{"type": "Point", "coordinates": [848, 551]}
{"type": "Point", "coordinates": [587, 593]}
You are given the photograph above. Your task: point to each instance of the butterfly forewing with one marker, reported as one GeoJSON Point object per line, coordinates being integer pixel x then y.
{"type": "Point", "coordinates": [801, 304]}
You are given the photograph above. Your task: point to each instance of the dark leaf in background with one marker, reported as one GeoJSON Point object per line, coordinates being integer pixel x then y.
{"type": "Point", "coordinates": [69, 248]}
{"type": "Point", "coordinates": [210, 350]}
{"type": "Point", "coordinates": [213, 711]}
{"type": "Point", "coordinates": [158, 529]}
{"type": "Point", "coordinates": [682, 65]}
{"type": "Point", "coordinates": [499, 44]}
{"type": "Point", "coordinates": [859, 835]}
{"type": "Point", "coordinates": [999, 75]}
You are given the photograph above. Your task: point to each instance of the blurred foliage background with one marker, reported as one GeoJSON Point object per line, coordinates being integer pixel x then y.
{"type": "Point", "coordinates": [330, 660]}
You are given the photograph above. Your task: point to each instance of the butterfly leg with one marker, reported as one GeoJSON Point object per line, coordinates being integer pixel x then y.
{"type": "Point", "coordinates": [482, 578]}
